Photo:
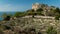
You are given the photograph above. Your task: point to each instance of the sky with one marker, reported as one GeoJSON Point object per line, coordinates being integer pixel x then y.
{"type": "Point", "coordinates": [23, 5]}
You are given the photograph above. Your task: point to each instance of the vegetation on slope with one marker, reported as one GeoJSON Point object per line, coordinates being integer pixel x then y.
{"type": "Point", "coordinates": [30, 25]}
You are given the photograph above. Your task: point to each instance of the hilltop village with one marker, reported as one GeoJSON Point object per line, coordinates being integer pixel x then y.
{"type": "Point", "coordinates": [40, 19]}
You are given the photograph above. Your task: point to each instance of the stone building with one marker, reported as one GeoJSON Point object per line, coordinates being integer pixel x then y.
{"type": "Point", "coordinates": [36, 6]}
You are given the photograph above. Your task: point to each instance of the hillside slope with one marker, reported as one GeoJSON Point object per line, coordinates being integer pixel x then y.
{"type": "Point", "coordinates": [24, 24]}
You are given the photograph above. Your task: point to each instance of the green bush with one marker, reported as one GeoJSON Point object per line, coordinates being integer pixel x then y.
{"type": "Point", "coordinates": [19, 14]}
{"type": "Point", "coordinates": [51, 30]}
{"type": "Point", "coordinates": [40, 9]}
{"type": "Point", "coordinates": [57, 16]}
{"type": "Point", "coordinates": [7, 18]}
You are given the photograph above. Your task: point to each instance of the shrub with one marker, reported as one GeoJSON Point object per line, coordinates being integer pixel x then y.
{"type": "Point", "coordinates": [19, 14]}
{"type": "Point", "coordinates": [7, 18]}
{"type": "Point", "coordinates": [57, 16]}
{"type": "Point", "coordinates": [51, 30]}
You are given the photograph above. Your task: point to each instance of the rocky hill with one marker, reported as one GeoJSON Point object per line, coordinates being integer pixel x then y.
{"type": "Point", "coordinates": [24, 25]}
{"type": "Point", "coordinates": [40, 21]}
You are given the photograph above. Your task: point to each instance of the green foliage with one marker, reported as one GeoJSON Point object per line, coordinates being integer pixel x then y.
{"type": "Point", "coordinates": [53, 6]}
{"type": "Point", "coordinates": [57, 16]}
{"type": "Point", "coordinates": [54, 12]}
{"type": "Point", "coordinates": [50, 13]}
{"type": "Point", "coordinates": [40, 9]}
{"type": "Point", "coordinates": [43, 5]}
{"type": "Point", "coordinates": [32, 12]}
{"type": "Point", "coordinates": [7, 27]}
{"type": "Point", "coordinates": [7, 18]}
{"type": "Point", "coordinates": [39, 13]}
{"type": "Point", "coordinates": [19, 14]}
{"type": "Point", "coordinates": [5, 14]}
{"type": "Point", "coordinates": [57, 10]}
{"type": "Point", "coordinates": [51, 30]}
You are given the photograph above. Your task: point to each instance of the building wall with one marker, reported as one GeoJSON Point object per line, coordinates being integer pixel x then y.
{"type": "Point", "coordinates": [36, 6]}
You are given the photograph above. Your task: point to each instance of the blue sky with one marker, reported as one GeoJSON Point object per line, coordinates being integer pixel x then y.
{"type": "Point", "coordinates": [23, 5]}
